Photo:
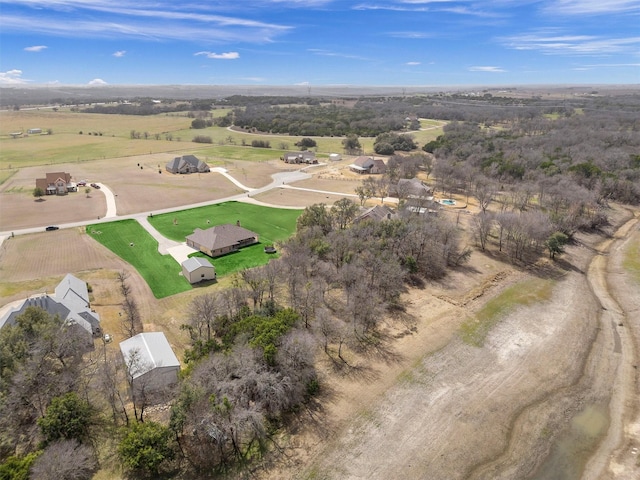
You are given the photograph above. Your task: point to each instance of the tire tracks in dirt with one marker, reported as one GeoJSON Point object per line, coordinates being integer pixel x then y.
{"type": "Point", "coordinates": [612, 354]}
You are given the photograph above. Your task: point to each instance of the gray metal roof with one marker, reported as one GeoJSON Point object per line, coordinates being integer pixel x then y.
{"type": "Point", "coordinates": [153, 350]}
{"type": "Point", "coordinates": [193, 263]}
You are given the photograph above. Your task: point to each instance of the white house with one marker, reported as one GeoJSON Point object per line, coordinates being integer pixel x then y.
{"type": "Point", "coordinates": [150, 362]}
{"type": "Point", "coordinates": [198, 269]}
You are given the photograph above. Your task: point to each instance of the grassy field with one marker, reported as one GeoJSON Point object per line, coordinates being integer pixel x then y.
{"type": "Point", "coordinates": [131, 242]}
{"type": "Point", "coordinates": [475, 330]}
{"type": "Point", "coordinates": [109, 136]}
{"type": "Point", "coordinates": [631, 260]}
{"type": "Point", "coordinates": [272, 224]}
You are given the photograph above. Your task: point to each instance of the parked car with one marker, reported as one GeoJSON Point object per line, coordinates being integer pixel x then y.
{"type": "Point", "coordinates": [81, 183]}
{"type": "Point", "coordinates": [51, 227]}
{"type": "Point", "coordinates": [95, 185]}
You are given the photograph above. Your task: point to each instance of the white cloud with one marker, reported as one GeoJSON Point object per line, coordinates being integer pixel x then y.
{"type": "Point", "coordinates": [150, 20]}
{"type": "Point", "coordinates": [120, 53]}
{"type": "Point", "coordinates": [97, 82]}
{"type": "Point", "coordinates": [410, 35]}
{"type": "Point", "coordinates": [327, 53]}
{"type": "Point", "coordinates": [11, 77]}
{"type": "Point", "coordinates": [592, 7]}
{"type": "Point", "coordinates": [412, 63]}
{"type": "Point", "coordinates": [552, 42]}
{"type": "Point", "coordinates": [35, 48]}
{"type": "Point", "coordinates": [486, 69]}
{"type": "Point", "coordinates": [220, 56]}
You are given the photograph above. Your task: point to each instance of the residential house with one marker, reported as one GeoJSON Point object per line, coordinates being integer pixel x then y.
{"type": "Point", "coordinates": [366, 164]}
{"type": "Point", "coordinates": [377, 213]}
{"type": "Point", "coordinates": [56, 183]}
{"type": "Point", "coordinates": [150, 362]}
{"type": "Point", "coordinates": [70, 302]}
{"type": "Point", "coordinates": [378, 167]}
{"type": "Point", "coordinates": [412, 188]}
{"type": "Point", "coordinates": [187, 164]}
{"type": "Point", "coordinates": [198, 269]}
{"type": "Point", "coordinates": [305, 156]}
{"type": "Point", "coordinates": [221, 239]}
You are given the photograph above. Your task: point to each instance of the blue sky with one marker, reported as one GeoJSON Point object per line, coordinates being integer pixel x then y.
{"type": "Point", "coordinates": [319, 42]}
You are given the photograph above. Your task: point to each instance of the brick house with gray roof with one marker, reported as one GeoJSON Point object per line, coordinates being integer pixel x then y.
{"type": "Point", "coordinates": [221, 239]}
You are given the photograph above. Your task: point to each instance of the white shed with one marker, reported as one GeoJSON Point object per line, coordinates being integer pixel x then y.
{"type": "Point", "coordinates": [335, 157]}
{"type": "Point", "coordinates": [150, 361]}
{"type": "Point", "coordinates": [198, 269]}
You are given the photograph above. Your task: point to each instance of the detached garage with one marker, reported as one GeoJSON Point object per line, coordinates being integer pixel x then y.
{"type": "Point", "coordinates": [151, 364]}
{"type": "Point", "coordinates": [198, 269]}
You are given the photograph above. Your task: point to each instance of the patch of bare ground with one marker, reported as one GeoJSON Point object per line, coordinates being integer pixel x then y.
{"type": "Point", "coordinates": [135, 181]}
{"type": "Point", "coordinates": [289, 197]}
{"type": "Point", "coordinates": [434, 407]}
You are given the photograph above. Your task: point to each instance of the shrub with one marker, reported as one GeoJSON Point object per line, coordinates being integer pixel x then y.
{"type": "Point", "coordinates": [145, 447]}
{"type": "Point", "coordinates": [261, 144]}
{"type": "Point", "coordinates": [198, 123]}
{"type": "Point", "coordinates": [202, 139]}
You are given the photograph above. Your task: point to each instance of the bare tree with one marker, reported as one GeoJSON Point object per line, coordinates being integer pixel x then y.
{"type": "Point", "coordinates": [482, 225]}
{"type": "Point", "coordinates": [65, 460]}
{"type": "Point", "coordinates": [484, 192]}
{"type": "Point", "coordinates": [131, 321]}
{"type": "Point", "coordinates": [202, 312]}
{"type": "Point", "coordinates": [257, 284]}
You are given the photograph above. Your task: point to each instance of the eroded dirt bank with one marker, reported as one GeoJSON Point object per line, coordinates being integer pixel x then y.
{"type": "Point", "coordinates": [447, 410]}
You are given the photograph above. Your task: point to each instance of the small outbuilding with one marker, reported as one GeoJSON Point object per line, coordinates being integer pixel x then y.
{"type": "Point", "coordinates": [305, 156]}
{"type": "Point", "coordinates": [198, 269]}
{"type": "Point", "coordinates": [151, 364]}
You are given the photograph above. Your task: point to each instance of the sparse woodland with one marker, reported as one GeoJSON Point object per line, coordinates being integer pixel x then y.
{"type": "Point", "coordinates": [538, 172]}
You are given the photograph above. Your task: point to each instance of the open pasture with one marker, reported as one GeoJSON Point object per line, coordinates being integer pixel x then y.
{"type": "Point", "coordinates": [103, 136]}
{"type": "Point", "coordinates": [136, 189]}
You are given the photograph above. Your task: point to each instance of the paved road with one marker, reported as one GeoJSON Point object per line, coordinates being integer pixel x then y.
{"type": "Point", "coordinates": [165, 245]}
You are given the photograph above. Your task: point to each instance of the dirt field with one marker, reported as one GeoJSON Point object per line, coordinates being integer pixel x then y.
{"type": "Point", "coordinates": [553, 393]}
{"type": "Point", "coordinates": [137, 189]}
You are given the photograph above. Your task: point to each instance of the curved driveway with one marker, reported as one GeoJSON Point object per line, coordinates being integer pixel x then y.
{"type": "Point", "coordinates": [176, 249]}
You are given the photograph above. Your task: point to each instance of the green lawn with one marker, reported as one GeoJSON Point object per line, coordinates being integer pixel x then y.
{"type": "Point", "coordinates": [161, 272]}
{"type": "Point", "coordinates": [271, 224]}
{"type": "Point", "coordinates": [631, 261]}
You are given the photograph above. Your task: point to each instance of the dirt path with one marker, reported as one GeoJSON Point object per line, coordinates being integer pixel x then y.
{"type": "Point", "coordinates": [617, 453]}
{"type": "Point", "coordinates": [447, 410]}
